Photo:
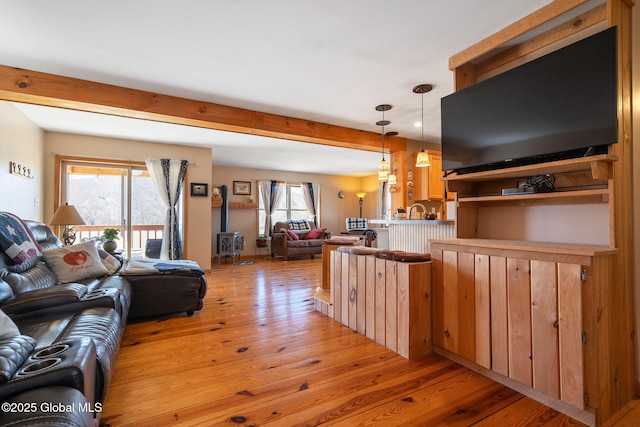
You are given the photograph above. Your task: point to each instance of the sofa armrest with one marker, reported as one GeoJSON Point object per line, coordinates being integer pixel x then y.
{"type": "Point", "coordinates": [13, 352]}
{"type": "Point", "coordinates": [278, 243]}
{"type": "Point", "coordinates": [6, 293]}
{"type": "Point", "coordinates": [39, 299]}
{"type": "Point", "coordinates": [70, 363]}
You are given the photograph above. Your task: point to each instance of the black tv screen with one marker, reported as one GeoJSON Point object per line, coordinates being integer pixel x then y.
{"type": "Point", "coordinates": [563, 104]}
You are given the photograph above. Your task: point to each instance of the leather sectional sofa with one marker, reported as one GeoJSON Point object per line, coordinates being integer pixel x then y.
{"type": "Point", "coordinates": [59, 341]}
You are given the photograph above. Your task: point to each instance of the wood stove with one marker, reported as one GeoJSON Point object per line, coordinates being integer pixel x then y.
{"type": "Point", "coordinates": [229, 244]}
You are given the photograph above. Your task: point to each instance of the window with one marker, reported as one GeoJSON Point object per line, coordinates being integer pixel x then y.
{"type": "Point", "coordinates": [291, 206]}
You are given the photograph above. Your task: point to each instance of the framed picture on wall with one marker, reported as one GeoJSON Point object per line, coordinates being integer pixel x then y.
{"type": "Point", "coordinates": [242, 187]}
{"type": "Point", "coordinates": [199, 190]}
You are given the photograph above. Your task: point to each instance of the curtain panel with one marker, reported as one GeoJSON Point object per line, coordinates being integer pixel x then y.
{"type": "Point", "coordinates": [311, 193]}
{"type": "Point", "coordinates": [168, 176]}
{"type": "Point", "coordinates": [271, 193]}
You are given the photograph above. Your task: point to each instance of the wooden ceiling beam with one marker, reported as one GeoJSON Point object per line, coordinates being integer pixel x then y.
{"type": "Point", "coordinates": [33, 87]}
{"type": "Point", "coordinates": [513, 31]}
{"type": "Point", "coordinates": [591, 18]}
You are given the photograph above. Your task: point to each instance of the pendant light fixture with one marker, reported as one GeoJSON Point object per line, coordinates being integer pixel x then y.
{"type": "Point", "coordinates": [393, 177]}
{"type": "Point", "coordinates": [383, 167]}
{"type": "Point", "coordinates": [423, 157]}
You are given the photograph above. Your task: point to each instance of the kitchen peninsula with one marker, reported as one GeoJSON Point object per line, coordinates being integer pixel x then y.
{"type": "Point", "coordinates": [414, 235]}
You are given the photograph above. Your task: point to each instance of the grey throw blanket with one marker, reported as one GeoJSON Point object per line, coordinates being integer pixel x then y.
{"type": "Point", "coordinates": [138, 266]}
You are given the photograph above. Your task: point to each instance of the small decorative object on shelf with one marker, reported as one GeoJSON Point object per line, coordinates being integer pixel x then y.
{"type": "Point", "coordinates": [110, 235]}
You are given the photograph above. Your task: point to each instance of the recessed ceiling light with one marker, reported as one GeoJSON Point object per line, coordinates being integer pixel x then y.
{"type": "Point", "coordinates": [418, 124]}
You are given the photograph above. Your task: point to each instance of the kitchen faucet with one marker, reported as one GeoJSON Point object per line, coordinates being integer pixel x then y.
{"type": "Point", "coordinates": [424, 210]}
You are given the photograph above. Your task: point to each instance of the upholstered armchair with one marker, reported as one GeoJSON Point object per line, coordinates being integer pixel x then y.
{"type": "Point", "coordinates": [360, 226]}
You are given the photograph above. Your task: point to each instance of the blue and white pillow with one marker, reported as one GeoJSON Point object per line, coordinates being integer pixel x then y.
{"type": "Point", "coordinates": [356, 223]}
{"type": "Point", "coordinates": [299, 225]}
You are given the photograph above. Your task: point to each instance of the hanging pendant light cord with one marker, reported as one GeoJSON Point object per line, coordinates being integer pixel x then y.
{"type": "Point", "coordinates": [422, 121]}
{"type": "Point", "coordinates": [382, 134]}
{"type": "Point", "coordinates": [422, 159]}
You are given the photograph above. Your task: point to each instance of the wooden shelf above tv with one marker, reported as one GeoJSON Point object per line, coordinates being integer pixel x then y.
{"type": "Point", "coordinates": [581, 180]}
{"type": "Point", "coordinates": [597, 164]}
{"type": "Point", "coordinates": [555, 198]}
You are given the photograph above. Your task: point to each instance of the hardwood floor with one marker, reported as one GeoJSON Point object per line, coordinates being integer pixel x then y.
{"type": "Point", "coordinates": [258, 354]}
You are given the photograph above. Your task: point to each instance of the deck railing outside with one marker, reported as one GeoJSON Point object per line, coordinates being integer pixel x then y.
{"type": "Point", "coordinates": [139, 236]}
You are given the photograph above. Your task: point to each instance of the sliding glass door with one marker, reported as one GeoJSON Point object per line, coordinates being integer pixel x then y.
{"type": "Point", "coordinates": [114, 196]}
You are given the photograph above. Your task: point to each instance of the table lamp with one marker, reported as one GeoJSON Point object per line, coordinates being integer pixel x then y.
{"type": "Point", "coordinates": [67, 216]}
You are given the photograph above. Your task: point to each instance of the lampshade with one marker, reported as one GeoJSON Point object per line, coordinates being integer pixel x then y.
{"type": "Point", "coordinates": [423, 158]}
{"type": "Point", "coordinates": [66, 215]}
{"type": "Point", "coordinates": [383, 170]}
{"type": "Point", "coordinates": [361, 194]}
{"type": "Point", "coordinates": [393, 178]}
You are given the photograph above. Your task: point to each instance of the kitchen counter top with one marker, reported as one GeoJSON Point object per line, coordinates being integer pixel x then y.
{"type": "Point", "coordinates": [411, 221]}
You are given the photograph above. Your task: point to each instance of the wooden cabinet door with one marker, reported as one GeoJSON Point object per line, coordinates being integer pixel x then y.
{"type": "Point", "coordinates": [435, 184]}
{"type": "Point", "coordinates": [482, 310]}
{"type": "Point", "coordinates": [438, 296]}
{"type": "Point", "coordinates": [544, 327]}
{"type": "Point", "coordinates": [519, 320]}
{"type": "Point", "coordinates": [420, 187]}
{"type": "Point", "coordinates": [451, 304]}
{"type": "Point", "coordinates": [427, 182]}
{"type": "Point", "coordinates": [571, 356]}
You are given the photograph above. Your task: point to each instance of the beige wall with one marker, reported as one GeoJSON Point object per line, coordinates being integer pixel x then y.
{"type": "Point", "coordinates": [371, 203]}
{"type": "Point", "coordinates": [333, 209]}
{"type": "Point", "coordinates": [588, 224]}
{"type": "Point", "coordinates": [21, 141]}
{"type": "Point", "coordinates": [198, 209]}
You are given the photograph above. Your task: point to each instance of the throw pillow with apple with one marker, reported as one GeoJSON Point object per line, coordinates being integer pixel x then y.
{"type": "Point", "coordinates": [75, 262]}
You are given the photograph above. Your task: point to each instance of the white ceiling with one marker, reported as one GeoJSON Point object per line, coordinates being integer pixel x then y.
{"type": "Point", "coordinates": [330, 61]}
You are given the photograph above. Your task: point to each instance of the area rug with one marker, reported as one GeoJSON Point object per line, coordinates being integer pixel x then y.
{"type": "Point", "coordinates": [245, 263]}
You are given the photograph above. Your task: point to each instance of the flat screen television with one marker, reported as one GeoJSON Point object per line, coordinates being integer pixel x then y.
{"type": "Point", "coordinates": [561, 105]}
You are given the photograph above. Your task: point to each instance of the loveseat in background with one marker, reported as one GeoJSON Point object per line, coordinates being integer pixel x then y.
{"type": "Point", "coordinates": [297, 238]}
